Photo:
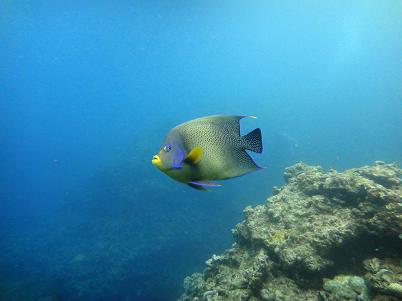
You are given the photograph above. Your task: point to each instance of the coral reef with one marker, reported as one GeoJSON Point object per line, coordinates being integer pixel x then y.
{"type": "Point", "coordinates": [344, 287]}
{"type": "Point", "coordinates": [322, 236]}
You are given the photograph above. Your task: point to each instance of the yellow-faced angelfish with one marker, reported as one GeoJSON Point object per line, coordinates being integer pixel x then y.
{"type": "Point", "coordinates": [208, 148]}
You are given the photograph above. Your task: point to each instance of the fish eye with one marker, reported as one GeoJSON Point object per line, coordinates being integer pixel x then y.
{"type": "Point", "coordinates": [167, 147]}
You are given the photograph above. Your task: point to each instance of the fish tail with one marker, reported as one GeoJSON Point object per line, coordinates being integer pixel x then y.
{"type": "Point", "coordinates": [253, 141]}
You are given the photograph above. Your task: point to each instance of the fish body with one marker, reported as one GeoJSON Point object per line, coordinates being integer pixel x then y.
{"type": "Point", "coordinates": [208, 148]}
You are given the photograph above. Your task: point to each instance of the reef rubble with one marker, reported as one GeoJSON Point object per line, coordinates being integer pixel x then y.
{"type": "Point", "coordinates": [322, 236]}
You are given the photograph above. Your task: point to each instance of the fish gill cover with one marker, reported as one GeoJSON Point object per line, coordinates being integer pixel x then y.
{"type": "Point", "coordinates": [89, 89]}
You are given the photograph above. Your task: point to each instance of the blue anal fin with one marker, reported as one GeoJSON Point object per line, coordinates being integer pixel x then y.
{"type": "Point", "coordinates": [202, 185]}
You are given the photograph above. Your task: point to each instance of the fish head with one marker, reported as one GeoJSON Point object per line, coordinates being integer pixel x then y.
{"type": "Point", "coordinates": [170, 156]}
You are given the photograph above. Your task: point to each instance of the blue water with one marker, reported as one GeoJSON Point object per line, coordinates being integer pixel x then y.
{"type": "Point", "coordinates": [89, 90]}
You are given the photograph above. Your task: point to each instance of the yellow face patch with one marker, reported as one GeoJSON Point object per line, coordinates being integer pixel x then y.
{"type": "Point", "coordinates": [156, 160]}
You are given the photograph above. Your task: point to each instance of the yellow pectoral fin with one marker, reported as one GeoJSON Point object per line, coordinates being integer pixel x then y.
{"type": "Point", "coordinates": [194, 155]}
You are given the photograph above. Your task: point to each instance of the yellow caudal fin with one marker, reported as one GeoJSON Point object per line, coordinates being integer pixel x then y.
{"type": "Point", "coordinates": [194, 155]}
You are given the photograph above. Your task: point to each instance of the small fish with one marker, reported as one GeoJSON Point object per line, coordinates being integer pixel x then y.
{"type": "Point", "coordinates": [208, 148]}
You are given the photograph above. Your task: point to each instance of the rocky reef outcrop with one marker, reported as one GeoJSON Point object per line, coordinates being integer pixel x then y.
{"type": "Point", "coordinates": [322, 236]}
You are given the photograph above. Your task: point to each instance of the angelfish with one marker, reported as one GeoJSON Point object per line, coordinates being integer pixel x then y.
{"type": "Point", "coordinates": [207, 149]}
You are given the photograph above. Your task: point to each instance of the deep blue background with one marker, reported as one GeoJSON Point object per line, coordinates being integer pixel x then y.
{"type": "Point", "coordinates": [88, 91]}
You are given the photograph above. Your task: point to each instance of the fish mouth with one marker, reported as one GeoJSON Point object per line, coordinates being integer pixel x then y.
{"type": "Point", "coordinates": [156, 160]}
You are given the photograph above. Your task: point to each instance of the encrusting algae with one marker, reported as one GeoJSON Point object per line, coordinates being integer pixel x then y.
{"type": "Point", "coordinates": [322, 236]}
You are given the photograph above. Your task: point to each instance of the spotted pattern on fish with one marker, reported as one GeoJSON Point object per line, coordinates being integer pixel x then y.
{"type": "Point", "coordinates": [223, 147]}
{"type": "Point", "coordinates": [216, 142]}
